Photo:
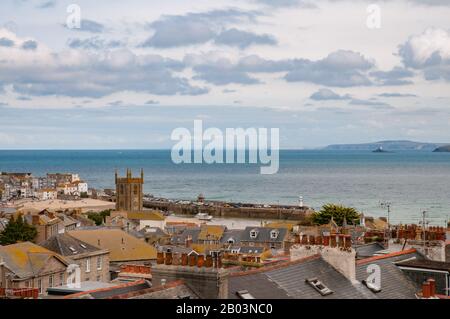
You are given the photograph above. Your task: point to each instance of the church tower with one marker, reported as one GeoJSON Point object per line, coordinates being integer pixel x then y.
{"type": "Point", "coordinates": [129, 192]}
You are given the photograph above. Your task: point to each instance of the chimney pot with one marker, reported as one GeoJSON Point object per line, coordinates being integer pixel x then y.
{"type": "Point", "coordinates": [432, 283]}
{"type": "Point", "coordinates": [426, 291]}
{"type": "Point", "coordinates": [192, 260]}
{"type": "Point", "coordinates": [184, 259]}
{"type": "Point", "coordinates": [168, 260]}
{"type": "Point", "coordinates": [200, 261]}
{"type": "Point", "coordinates": [209, 261]}
{"type": "Point", "coordinates": [160, 258]}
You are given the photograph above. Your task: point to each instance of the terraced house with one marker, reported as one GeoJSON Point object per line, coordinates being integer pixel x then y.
{"type": "Point", "coordinates": [27, 265]}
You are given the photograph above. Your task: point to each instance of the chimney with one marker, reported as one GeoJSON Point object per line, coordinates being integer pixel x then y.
{"type": "Point", "coordinates": [188, 241]}
{"type": "Point", "coordinates": [35, 219]}
{"type": "Point", "coordinates": [432, 283]}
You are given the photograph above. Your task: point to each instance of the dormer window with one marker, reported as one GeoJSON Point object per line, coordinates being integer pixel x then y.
{"type": "Point", "coordinates": [231, 240]}
{"type": "Point", "coordinates": [253, 233]}
{"type": "Point", "coordinates": [274, 234]}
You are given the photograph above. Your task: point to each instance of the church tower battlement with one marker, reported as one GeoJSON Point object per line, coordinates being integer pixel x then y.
{"type": "Point", "coordinates": [129, 192]}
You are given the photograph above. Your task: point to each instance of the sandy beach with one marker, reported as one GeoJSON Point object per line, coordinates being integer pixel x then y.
{"type": "Point", "coordinates": [85, 204]}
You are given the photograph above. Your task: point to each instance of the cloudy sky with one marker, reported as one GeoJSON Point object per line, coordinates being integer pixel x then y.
{"type": "Point", "coordinates": [135, 70]}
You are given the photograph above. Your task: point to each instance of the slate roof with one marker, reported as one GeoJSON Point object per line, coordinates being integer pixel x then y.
{"type": "Point", "coordinates": [173, 290]}
{"type": "Point", "coordinates": [67, 245]}
{"type": "Point", "coordinates": [368, 250]}
{"type": "Point", "coordinates": [180, 239]}
{"type": "Point", "coordinates": [394, 283]}
{"type": "Point", "coordinates": [263, 234]}
{"type": "Point", "coordinates": [288, 281]}
{"type": "Point", "coordinates": [426, 264]}
{"type": "Point", "coordinates": [27, 259]}
{"type": "Point", "coordinates": [235, 234]}
{"type": "Point", "coordinates": [111, 292]}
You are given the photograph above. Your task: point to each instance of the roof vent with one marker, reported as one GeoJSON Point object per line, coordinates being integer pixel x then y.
{"type": "Point", "coordinates": [319, 286]}
{"type": "Point", "coordinates": [244, 294]}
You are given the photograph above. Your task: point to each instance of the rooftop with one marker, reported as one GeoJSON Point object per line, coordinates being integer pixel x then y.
{"type": "Point", "coordinates": [122, 246]}
{"type": "Point", "coordinates": [27, 259]}
{"type": "Point", "coordinates": [67, 245]}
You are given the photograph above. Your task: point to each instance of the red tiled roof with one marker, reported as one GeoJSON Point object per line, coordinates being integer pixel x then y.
{"type": "Point", "coordinates": [394, 254]}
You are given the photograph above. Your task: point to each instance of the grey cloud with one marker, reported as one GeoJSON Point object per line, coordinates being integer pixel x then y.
{"type": "Point", "coordinates": [428, 52]}
{"type": "Point", "coordinates": [151, 102]}
{"type": "Point", "coordinates": [327, 94]}
{"type": "Point", "coordinates": [192, 28]}
{"type": "Point", "coordinates": [338, 69]}
{"type": "Point", "coordinates": [47, 4]}
{"type": "Point", "coordinates": [396, 95]}
{"type": "Point", "coordinates": [24, 98]}
{"type": "Point", "coordinates": [30, 45]}
{"type": "Point", "coordinates": [94, 43]}
{"type": "Point", "coordinates": [372, 103]}
{"type": "Point", "coordinates": [99, 76]}
{"type": "Point", "coordinates": [91, 26]}
{"type": "Point", "coordinates": [396, 76]}
{"type": "Point", "coordinates": [222, 76]}
{"type": "Point", "coordinates": [243, 39]}
{"type": "Point", "coordinates": [288, 3]}
{"type": "Point", "coordinates": [5, 42]}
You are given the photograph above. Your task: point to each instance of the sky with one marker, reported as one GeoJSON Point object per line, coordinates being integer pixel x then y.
{"type": "Point", "coordinates": [323, 72]}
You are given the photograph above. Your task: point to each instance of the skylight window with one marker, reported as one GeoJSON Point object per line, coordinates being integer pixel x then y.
{"type": "Point", "coordinates": [73, 250]}
{"type": "Point", "coordinates": [274, 234]}
{"type": "Point", "coordinates": [83, 246]}
{"type": "Point", "coordinates": [319, 286]}
{"type": "Point", "coordinates": [244, 294]}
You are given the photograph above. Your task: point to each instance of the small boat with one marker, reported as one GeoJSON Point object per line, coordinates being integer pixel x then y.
{"type": "Point", "coordinates": [203, 216]}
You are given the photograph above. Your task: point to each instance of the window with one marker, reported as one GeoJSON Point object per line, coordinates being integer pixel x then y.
{"type": "Point", "coordinates": [61, 278]}
{"type": "Point", "coordinates": [231, 240]}
{"type": "Point", "coordinates": [274, 234]}
{"type": "Point", "coordinates": [88, 265]}
{"type": "Point", "coordinates": [253, 233]}
{"type": "Point", "coordinates": [50, 281]}
{"type": "Point", "coordinates": [99, 278]}
{"type": "Point", "coordinates": [99, 263]}
{"type": "Point", "coordinates": [319, 286]}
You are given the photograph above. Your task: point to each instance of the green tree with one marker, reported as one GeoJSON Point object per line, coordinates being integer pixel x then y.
{"type": "Point", "coordinates": [99, 217]}
{"type": "Point", "coordinates": [17, 230]}
{"type": "Point", "coordinates": [338, 212]}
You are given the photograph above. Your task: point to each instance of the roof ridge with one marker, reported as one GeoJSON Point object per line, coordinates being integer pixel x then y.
{"type": "Point", "coordinates": [394, 254]}
{"type": "Point", "coordinates": [274, 267]}
{"type": "Point", "coordinates": [170, 285]}
{"type": "Point", "coordinates": [87, 292]}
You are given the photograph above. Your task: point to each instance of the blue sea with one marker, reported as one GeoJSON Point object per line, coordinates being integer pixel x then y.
{"type": "Point", "coordinates": [411, 181]}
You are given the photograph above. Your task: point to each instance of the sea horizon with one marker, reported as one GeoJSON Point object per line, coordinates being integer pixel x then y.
{"type": "Point", "coordinates": [412, 180]}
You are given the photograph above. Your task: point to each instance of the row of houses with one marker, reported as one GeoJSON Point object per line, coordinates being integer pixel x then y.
{"type": "Point", "coordinates": [25, 185]}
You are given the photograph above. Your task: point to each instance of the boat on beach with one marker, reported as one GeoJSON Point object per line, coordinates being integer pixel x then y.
{"type": "Point", "coordinates": [203, 216]}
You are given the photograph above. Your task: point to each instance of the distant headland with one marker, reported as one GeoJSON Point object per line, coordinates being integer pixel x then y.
{"type": "Point", "coordinates": [391, 146]}
{"type": "Point", "coordinates": [443, 149]}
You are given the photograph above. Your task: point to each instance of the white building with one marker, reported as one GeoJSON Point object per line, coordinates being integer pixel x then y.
{"type": "Point", "coordinates": [46, 194]}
